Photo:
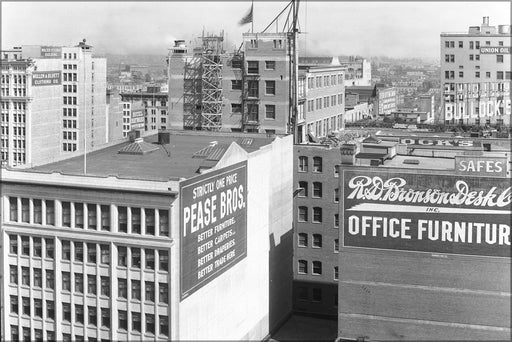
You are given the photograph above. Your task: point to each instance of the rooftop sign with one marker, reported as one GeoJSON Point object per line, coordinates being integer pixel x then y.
{"type": "Point", "coordinates": [51, 52]}
{"type": "Point", "coordinates": [494, 50]}
{"type": "Point", "coordinates": [481, 166]}
{"type": "Point", "coordinates": [439, 142]}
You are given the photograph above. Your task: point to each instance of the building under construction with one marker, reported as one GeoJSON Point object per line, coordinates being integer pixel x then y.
{"type": "Point", "coordinates": [245, 90]}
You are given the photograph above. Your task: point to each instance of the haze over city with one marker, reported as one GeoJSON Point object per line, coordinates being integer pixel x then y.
{"type": "Point", "coordinates": [394, 29]}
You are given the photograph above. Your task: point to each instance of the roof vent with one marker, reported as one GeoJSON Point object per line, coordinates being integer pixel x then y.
{"type": "Point", "coordinates": [139, 146]}
{"type": "Point", "coordinates": [213, 143]}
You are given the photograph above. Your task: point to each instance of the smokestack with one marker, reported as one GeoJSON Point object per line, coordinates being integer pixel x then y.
{"type": "Point", "coordinates": [485, 21]}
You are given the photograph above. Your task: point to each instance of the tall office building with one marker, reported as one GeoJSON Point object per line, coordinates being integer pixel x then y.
{"type": "Point", "coordinates": [475, 73]}
{"type": "Point", "coordinates": [53, 103]}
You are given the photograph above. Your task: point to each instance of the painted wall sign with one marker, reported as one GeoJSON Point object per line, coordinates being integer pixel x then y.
{"type": "Point", "coordinates": [427, 213]}
{"type": "Point", "coordinates": [46, 78]}
{"type": "Point", "coordinates": [494, 50]}
{"type": "Point", "coordinates": [439, 142]}
{"type": "Point", "coordinates": [481, 166]}
{"type": "Point", "coordinates": [51, 52]}
{"type": "Point", "coordinates": [213, 225]}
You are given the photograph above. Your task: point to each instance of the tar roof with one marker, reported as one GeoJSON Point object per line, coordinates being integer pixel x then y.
{"type": "Point", "coordinates": [158, 165]}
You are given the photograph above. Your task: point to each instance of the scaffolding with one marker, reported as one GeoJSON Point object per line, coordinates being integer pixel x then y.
{"type": "Point", "coordinates": [211, 82]}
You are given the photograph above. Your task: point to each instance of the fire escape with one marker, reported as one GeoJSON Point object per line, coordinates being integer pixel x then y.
{"type": "Point", "coordinates": [250, 96]}
{"type": "Point", "coordinates": [211, 83]}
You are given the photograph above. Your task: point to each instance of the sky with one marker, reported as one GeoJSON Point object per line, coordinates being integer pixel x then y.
{"type": "Point", "coordinates": [383, 28]}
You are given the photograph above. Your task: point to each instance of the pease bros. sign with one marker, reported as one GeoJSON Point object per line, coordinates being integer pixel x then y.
{"type": "Point", "coordinates": [427, 213]}
{"type": "Point", "coordinates": [213, 225]}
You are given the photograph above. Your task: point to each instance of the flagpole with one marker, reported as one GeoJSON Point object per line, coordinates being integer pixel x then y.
{"type": "Point", "coordinates": [252, 21]}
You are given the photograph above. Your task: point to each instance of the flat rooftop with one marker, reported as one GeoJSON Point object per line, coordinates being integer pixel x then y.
{"type": "Point", "coordinates": [422, 163]}
{"type": "Point", "coordinates": [186, 153]}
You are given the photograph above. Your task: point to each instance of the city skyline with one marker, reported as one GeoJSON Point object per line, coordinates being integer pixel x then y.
{"type": "Point", "coordinates": [393, 29]}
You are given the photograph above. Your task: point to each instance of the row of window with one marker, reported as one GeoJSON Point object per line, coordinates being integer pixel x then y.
{"type": "Point", "coordinates": [253, 111]}
{"type": "Point", "coordinates": [70, 66]}
{"type": "Point", "coordinates": [253, 67]}
{"type": "Point", "coordinates": [317, 190]}
{"type": "Point", "coordinates": [316, 268]}
{"type": "Point", "coordinates": [89, 215]}
{"type": "Point", "coordinates": [316, 242]}
{"type": "Point", "coordinates": [472, 44]}
{"type": "Point", "coordinates": [325, 102]}
{"type": "Point", "coordinates": [15, 105]}
{"type": "Point", "coordinates": [322, 127]}
{"type": "Point", "coordinates": [324, 81]}
{"type": "Point", "coordinates": [70, 77]}
{"type": "Point", "coordinates": [15, 92]}
{"type": "Point", "coordinates": [316, 216]}
{"type": "Point", "coordinates": [303, 164]}
{"type": "Point", "coordinates": [16, 78]}
{"type": "Point", "coordinates": [500, 75]}
{"type": "Point", "coordinates": [16, 130]}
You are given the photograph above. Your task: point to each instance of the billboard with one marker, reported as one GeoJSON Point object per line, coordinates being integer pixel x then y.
{"type": "Point", "coordinates": [51, 52]}
{"type": "Point", "coordinates": [46, 78]}
{"type": "Point", "coordinates": [213, 225]}
{"type": "Point", "coordinates": [427, 213]}
{"type": "Point", "coordinates": [481, 166]}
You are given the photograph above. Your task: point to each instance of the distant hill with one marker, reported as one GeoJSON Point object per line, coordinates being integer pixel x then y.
{"type": "Point", "coordinates": [147, 60]}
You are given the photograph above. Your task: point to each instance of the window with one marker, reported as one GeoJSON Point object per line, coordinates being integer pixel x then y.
{"type": "Point", "coordinates": [50, 309]}
{"type": "Point", "coordinates": [163, 293]}
{"type": "Point", "coordinates": [66, 281]}
{"type": "Point", "coordinates": [50, 279]}
{"type": "Point", "coordinates": [317, 214]}
{"type": "Point", "coordinates": [66, 250]}
{"type": "Point", "coordinates": [164, 260]}
{"type": "Point", "coordinates": [499, 58]}
{"type": "Point", "coordinates": [252, 67]}
{"type": "Point", "coordinates": [461, 44]}
{"type": "Point", "coordinates": [105, 317]}
{"type": "Point", "coordinates": [135, 257]}
{"type": "Point", "coordinates": [66, 214]}
{"type": "Point", "coordinates": [336, 195]}
{"type": "Point", "coordinates": [317, 295]}
{"type": "Point", "coordinates": [66, 311]}
{"type": "Point", "coordinates": [25, 276]}
{"type": "Point", "coordinates": [150, 291]}
{"type": "Point", "coordinates": [91, 253]}
{"type": "Point", "coordinates": [303, 189]}
{"type": "Point", "coordinates": [13, 205]}
{"type": "Point", "coordinates": [91, 284]}
{"type": "Point", "coordinates": [79, 282]}
{"type": "Point", "coordinates": [461, 73]}
{"type": "Point", "coordinates": [79, 313]}
{"type": "Point", "coordinates": [136, 321]}
{"type": "Point", "coordinates": [91, 216]}
{"type": "Point", "coordinates": [270, 65]}
{"type": "Point", "coordinates": [471, 45]}
{"type": "Point", "coordinates": [303, 267]}
{"type": "Point", "coordinates": [164, 325]}
{"type": "Point", "coordinates": [317, 241]}
{"type": "Point", "coordinates": [278, 44]}
{"type": "Point", "coordinates": [50, 212]}
{"type": "Point", "coordinates": [13, 271]}
{"type": "Point", "coordinates": [446, 44]}
{"type": "Point", "coordinates": [13, 244]}
{"type": "Point", "coordinates": [136, 289]}
{"type": "Point", "coordinates": [105, 217]}
{"type": "Point", "coordinates": [92, 315]}
{"type": "Point", "coordinates": [303, 214]}
{"type": "Point", "coordinates": [317, 189]}
{"type": "Point", "coordinates": [79, 215]}
{"type": "Point", "coordinates": [105, 286]}
{"type": "Point", "coordinates": [150, 259]}
{"type": "Point", "coordinates": [236, 108]}
{"type": "Point", "coordinates": [487, 74]}
{"type": "Point", "coordinates": [38, 211]}
{"type": "Point", "coordinates": [303, 164]}
{"type": "Point", "coordinates": [499, 75]}
{"type": "Point", "coordinates": [150, 323]}
{"type": "Point", "coordinates": [317, 267]}
{"type": "Point", "coordinates": [317, 164]}
{"type": "Point", "coordinates": [25, 210]}
{"type": "Point", "coordinates": [303, 240]}
{"type": "Point", "coordinates": [471, 57]}
{"type": "Point", "coordinates": [477, 57]}
{"type": "Point", "coordinates": [507, 75]}
{"type": "Point", "coordinates": [123, 319]}
{"type": "Point", "coordinates": [252, 88]}
{"type": "Point", "coordinates": [270, 87]}
{"type": "Point", "coordinates": [477, 74]}
{"type": "Point", "coordinates": [150, 221]}
{"type": "Point", "coordinates": [270, 112]}
{"type": "Point", "coordinates": [122, 256]}
{"type": "Point", "coordinates": [122, 219]}
{"type": "Point", "coordinates": [25, 245]}
{"type": "Point", "coordinates": [122, 285]}
{"type": "Point", "coordinates": [105, 254]}
{"type": "Point", "coordinates": [79, 251]}
{"type": "Point", "coordinates": [14, 304]}
{"type": "Point", "coordinates": [136, 219]}
{"type": "Point", "coordinates": [236, 84]}
{"type": "Point", "coordinates": [38, 277]}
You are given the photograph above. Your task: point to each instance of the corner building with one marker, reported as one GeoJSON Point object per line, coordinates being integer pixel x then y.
{"type": "Point", "coordinates": [476, 76]}
{"type": "Point", "coordinates": [102, 256]}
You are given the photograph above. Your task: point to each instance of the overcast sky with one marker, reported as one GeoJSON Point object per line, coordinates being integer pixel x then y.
{"type": "Point", "coordinates": [395, 29]}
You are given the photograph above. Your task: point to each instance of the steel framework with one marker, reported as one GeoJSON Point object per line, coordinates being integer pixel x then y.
{"type": "Point", "coordinates": [211, 82]}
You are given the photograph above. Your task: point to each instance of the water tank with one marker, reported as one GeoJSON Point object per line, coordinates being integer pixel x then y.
{"type": "Point", "coordinates": [503, 29]}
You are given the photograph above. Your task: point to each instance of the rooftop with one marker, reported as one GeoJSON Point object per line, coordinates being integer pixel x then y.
{"type": "Point", "coordinates": [186, 153]}
{"type": "Point", "coordinates": [423, 163]}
